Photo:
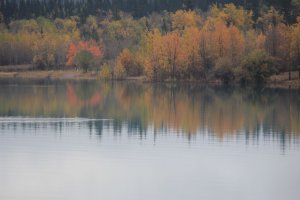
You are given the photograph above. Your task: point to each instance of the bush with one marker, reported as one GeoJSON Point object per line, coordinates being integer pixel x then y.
{"type": "Point", "coordinates": [129, 62]}
{"type": "Point", "coordinates": [258, 66]}
{"type": "Point", "coordinates": [119, 70]}
{"type": "Point", "coordinates": [105, 72]}
{"type": "Point", "coordinates": [224, 70]}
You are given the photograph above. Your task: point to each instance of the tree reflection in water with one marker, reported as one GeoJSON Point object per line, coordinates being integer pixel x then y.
{"type": "Point", "coordinates": [187, 109]}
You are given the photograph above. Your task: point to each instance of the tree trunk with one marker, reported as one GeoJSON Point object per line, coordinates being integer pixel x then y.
{"type": "Point", "coordinates": [290, 75]}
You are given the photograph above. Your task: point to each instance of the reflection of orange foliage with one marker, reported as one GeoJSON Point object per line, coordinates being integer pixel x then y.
{"type": "Point", "coordinates": [190, 110]}
{"type": "Point", "coordinates": [74, 101]}
{"type": "Point", "coordinates": [75, 48]}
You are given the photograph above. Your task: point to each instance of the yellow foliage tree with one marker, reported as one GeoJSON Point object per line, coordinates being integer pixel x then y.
{"type": "Point", "coordinates": [230, 14]}
{"type": "Point", "coordinates": [236, 44]}
{"type": "Point", "coordinates": [130, 63]}
{"type": "Point", "coordinates": [182, 19]}
{"type": "Point", "coordinates": [295, 43]}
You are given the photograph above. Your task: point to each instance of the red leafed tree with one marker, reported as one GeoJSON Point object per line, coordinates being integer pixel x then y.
{"type": "Point", "coordinates": [75, 49]}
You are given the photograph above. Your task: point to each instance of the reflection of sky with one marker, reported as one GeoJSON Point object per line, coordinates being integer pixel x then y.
{"type": "Point", "coordinates": [40, 162]}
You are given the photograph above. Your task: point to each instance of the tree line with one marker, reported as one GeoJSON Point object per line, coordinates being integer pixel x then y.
{"type": "Point", "coordinates": [20, 9]}
{"type": "Point", "coordinates": [226, 43]}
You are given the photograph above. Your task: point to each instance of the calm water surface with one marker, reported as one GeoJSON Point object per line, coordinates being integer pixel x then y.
{"type": "Point", "coordinates": [126, 141]}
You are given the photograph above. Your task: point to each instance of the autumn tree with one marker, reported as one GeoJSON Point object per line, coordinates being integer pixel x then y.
{"type": "Point", "coordinates": [29, 26]}
{"type": "Point", "coordinates": [232, 15]}
{"type": "Point", "coordinates": [220, 39]}
{"type": "Point", "coordinates": [224, 70]}
{"type": "Point", "coordinates": [258, 66]}
{"type": "Point", "coordinates": [45, 25]}
{"type": "Point", "coordinates": [270, 23]}
{"type": "Point", "coordinates": [295, 44]}
{"type": "Point", "coordinates": [89, 29]}
{"type": "Point", "coordinates": [84, 59]}
{"type": "Point", "coordinates": [16, 48]}
{"type": "Point", "coordinates": [190, 49]}
{"type": "Point", "coordinates": [68, 26]}
{"type": "Point", "coordinates": [130, 63]}
{"type": "Point", "coordinates": [269, 18]}
{"type": "Point", "coordinates": [278, 42]}
{"type": "Point", "coordinates": [151, 52]}
{"type": "Point", "coordinates": [84, 55]}
{"type": "Point", "coordinates": [44, 54]}
{"type": "Point", "coordinates": [106, 72]}
{"type": "Point", "coordinates": [185, 19]}
{"type": "Point", "coordinates": [50, 50]}
{"type": "Point", "coordinates": [171, 46]}
{"type": "Point", "coordinates": [119, 34]}
{"type": "Point", "coordinates": [236, 44]}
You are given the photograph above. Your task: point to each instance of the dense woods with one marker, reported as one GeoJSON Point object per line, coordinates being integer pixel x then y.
{"type": "Point", "coordinates": [20, 9]}
{"type": "Point", "coordinates": [197, 42]}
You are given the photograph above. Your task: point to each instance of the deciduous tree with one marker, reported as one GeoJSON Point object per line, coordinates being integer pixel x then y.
{"type": "Point", "coordinates": [95, 54]}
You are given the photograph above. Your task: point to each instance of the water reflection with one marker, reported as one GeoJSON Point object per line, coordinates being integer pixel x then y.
{"type": "Point", "coordinates": [89, 140]}
{"type": "Point", "coordinates": [190, 109]}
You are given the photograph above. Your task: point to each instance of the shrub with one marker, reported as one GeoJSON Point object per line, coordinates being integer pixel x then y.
{"type": "Point", "coordinates": [119, 70]}
{"type": "Point", "coordinates": [129, 62]}
{"type": "Point", "coordinates": [258, 66]}
{"type": "Point", "coordinates": [105, 72]}
{"type": "Point", "coordinates": [224, 70]}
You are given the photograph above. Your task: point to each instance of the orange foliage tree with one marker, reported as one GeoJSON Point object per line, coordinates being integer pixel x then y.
{"type": "Point", "coordinates": [84, 48]}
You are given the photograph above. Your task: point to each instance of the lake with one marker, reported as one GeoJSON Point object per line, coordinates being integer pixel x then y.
{"type": "Point", "coordinates": [142, 141]}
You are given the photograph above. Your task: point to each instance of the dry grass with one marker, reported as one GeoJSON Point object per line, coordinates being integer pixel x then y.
{"type": "Point", "coordinates": [283, 79]}
{"type": "Point", "coordinates": [55, 75]}
{"type": "Point", "coordinates": [15, 68]}
{"type": "Point", "coordinates": [285, 76]}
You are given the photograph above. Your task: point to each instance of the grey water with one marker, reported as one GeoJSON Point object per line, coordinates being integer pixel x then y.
{"type": "Point", "coordinates": [141, 141]}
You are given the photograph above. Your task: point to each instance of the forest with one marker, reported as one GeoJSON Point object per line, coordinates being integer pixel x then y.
{"type": "Point", "coordinates": [159, 40]}
{"type": "Point", "coordinates": [21, 9]}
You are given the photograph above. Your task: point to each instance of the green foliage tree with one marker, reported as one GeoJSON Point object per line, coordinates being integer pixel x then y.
{"type": "Point", "coordinates": [84, 59]}
{"type": "Point", "coordinates": [258, 66]}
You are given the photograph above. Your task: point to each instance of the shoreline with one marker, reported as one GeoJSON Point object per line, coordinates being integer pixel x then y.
{"type": "Point", "coordinates": [274, 81]}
